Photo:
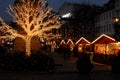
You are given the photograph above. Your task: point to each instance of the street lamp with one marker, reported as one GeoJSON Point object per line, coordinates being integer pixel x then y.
{"type": "Point", "coordinates": [116, 20]}
{"type": "Point", "coordinates": [117, 28]}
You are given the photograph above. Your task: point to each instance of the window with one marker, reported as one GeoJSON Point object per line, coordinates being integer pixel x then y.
{"type": "Point", "coordinates": [117, 3]}
{"type": "Point", "coordinates": [109, 27]}
{"type": "Point", "coordinates": [106, 28]}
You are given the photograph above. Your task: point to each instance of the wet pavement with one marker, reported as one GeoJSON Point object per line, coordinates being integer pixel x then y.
{"type": "Point", "coordinates": [96, 75]}
{"type": "Point", "coordinates": [65, 70]}
{"type": "Point", "coordinates": [69, 65]}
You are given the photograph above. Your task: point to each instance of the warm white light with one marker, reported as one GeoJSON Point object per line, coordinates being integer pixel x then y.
{"type": "Point", "coordinates": [117, 43]}
{"type": "Point", "coordinates": [103, 35]}
{"type": "Point", "coordinates": [82, 38]}
{"type": "Point", "coordinates": [30, 16]}
{"type": "Point", "coordinates": [116, 20]}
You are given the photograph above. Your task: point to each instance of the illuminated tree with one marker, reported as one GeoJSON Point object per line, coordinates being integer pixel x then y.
{"type": "Point", "coordinates": [34, 18]}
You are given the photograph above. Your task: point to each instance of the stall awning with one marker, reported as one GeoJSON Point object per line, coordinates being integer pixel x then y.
{"type": "Point", "coordinates": [62, 42]}
{"type": "Point", "coordinates": [82, 40]}
{"type": "Point", "coordinates": [70, 41]}
{"type": "Point", "coordinates": [104, 39]}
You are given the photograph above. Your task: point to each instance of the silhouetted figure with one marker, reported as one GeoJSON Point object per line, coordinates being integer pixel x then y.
{"type": "Point", "coordinates": [84, 64]}
{"type": "Point", "coordinates": [116, 64]}
{"type": "Point", "coordinates": [65, 53]}
{"type": "Point", "coordinates": [75, 51]}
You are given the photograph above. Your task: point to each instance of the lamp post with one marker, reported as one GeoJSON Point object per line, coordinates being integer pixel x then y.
{"type": "Point", "coordinates": [117, 28]}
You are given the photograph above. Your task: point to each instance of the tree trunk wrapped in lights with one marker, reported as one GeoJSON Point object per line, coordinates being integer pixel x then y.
{"type": "Point", "coordinates": [34, 18]}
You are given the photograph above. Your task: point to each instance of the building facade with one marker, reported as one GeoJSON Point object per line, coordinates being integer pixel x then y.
{"type": "Point", "coordinates": [104, 22]}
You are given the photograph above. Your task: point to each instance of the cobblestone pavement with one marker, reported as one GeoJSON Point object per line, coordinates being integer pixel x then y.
{"type": "Point", "coordinates": [96, 75]}
{"type": "Point", "coordinates": [65, 70]}
{"type": "Point", "coordinates": [69, 65]}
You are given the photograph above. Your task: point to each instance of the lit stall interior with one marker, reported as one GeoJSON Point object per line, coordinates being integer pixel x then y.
{"type": "Point", "coordinates": [83, 45]}
{"type": "Point", "coordinates": [105, 45]}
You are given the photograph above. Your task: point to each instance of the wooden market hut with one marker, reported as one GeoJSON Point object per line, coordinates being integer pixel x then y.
{"type": "Point", "coordinates": [83, 45]}
{"type": "Point", "coordinates": [104, 44]}
{"type": "Point", "coordinates": [70, 44]}
{"type": "Point", "coordinates": [62, 44]}
{"type": "Point", "coordinates": [54, 45]}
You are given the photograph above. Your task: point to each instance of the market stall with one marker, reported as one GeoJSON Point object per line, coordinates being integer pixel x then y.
{"type": "Point", "coordinates": [70, 44]}
{"type": "Point", "coordinates": [83, 45]}
{"type": "Point", "coordinates": [104, 44]}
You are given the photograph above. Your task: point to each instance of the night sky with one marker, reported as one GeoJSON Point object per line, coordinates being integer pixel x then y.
{"type": "Point", "coordinates": [55, 4]}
